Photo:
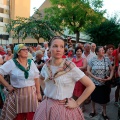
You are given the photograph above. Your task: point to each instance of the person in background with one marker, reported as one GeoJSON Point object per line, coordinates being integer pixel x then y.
{"type": "Point", "coordinates": [116, 64]}
{"type": "Point", "coordinates": [70, 44]}
{"type": "Point", "coordinates": [109, 50]}
{"type": "Point", "coordinates": [38, 47]}
{"type": "Point", "coordinates": [9, 55]}
{"type": "Point", "coordinates": [49, 54]}
{"type": "Point", "coordinates": [45, 57]}
{"type": "Point", "coordinates": [93, 47]}
{"type": "Point", "coordinates": [2, 96]}
{"type": "Point", "coordinates": [31, 50]}
{"type": "Point", "coordinates": [39, 62]}
{"type": "Point", "coordinates": [2, 52]}
{"type": "Point", "coordinates": [81, 63]}
{"type": "Point", "coordinates": [1, 60]}
{"type": "Point", "coordinates": [119, 65]}
{"type": "Point", "coordinates": [100, 70]}
{"type": "Point", "coordinates": [70, 54]}
{"type": "Point", "coordinates": [60, 76]}
{"type": "Point", "coordinates": [80, 45]}
{"type": "Point", "coordinates": [87, 54]}
{"type": "Point", "coordinates": [24, 91]}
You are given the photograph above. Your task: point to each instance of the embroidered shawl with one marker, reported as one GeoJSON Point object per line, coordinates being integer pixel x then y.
{"type": "Point", "coordinates": [64, 67]}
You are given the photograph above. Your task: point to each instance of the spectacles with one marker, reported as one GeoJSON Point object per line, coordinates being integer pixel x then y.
{"type": "Point", "coordinates": [25, 49]}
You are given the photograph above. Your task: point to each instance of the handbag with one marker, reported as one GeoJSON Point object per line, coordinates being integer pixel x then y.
{"type": "Point", "coordinates": [109, 82]}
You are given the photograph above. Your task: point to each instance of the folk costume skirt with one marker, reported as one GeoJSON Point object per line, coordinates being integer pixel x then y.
{"type": "Point", "coordinates": [22, 100]}
{"type": "Point", "coordinates": [50, 109]}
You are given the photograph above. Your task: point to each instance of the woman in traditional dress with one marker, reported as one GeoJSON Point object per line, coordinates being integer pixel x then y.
{"type": "Point", "coordinates": [60, 76]}
{"type": "Point", "coordinates": [24, 91]}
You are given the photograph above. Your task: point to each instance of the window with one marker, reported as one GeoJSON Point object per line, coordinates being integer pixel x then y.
{"type": "Point", "coordinates": [1, 19]}
{"type": "Point", "coordinates": [1, 10]}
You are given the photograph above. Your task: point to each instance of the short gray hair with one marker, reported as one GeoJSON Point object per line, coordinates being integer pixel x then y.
{"type": "Point", "coordinates": [39, 52]}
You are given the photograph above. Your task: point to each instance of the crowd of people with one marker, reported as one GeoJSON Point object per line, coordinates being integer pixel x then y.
{"type": "Point", "coordinates": [54, 81]}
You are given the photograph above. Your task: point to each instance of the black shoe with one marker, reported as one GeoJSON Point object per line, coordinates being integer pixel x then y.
{"type": "Point", "coordinates": [105, 116]}
{"type": "Point", "coordinates": [92, 114]}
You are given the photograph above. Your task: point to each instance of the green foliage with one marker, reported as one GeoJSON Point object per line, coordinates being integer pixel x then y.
{"type": "Point", "coordinates": [76, 15]}
{"type": "Point", "coordinates": [108, 32]}
{"type": "Point", "coordinates": [34, 27]}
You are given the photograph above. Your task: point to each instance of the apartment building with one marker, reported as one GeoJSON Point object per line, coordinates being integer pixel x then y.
{"type": "Point", "coordinates": [4, 19]}
{"type": "Point", "coordinates": [10, 9]}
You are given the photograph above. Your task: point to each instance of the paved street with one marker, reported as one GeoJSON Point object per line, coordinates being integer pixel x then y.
{"type": "Point", "coordinates": [112, 110]}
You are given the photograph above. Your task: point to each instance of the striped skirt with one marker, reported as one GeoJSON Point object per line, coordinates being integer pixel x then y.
{"type": "Point", "coordinates": [22, 100]}
{"type": "Point", "coordinates": [50, 109]}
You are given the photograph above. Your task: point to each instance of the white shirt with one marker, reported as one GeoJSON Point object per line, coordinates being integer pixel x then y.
{"type": "Point", "coordinates": [93, 53]}
{"type": "Point", "coordinates": [17, 77]}
{"type": "Point", "coordinates": [88, 58]}
{"type": "Point", "coordinates": [45, 57]}
{"type": "Point", "coordinates": [64, 84]}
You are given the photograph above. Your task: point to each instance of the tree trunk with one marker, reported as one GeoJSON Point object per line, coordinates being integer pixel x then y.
{"type": "Point", "coordinates": [18, 40]}
{"type": "Point", "coordinates": [77, 36]}
{"type": "Point", "coordinates": [38, 41]}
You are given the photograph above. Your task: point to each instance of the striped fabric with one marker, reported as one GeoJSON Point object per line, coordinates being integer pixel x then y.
{"type": "Point", "coordinates": [50, 109]}
{"type": "Point", "coordinates": [22, 100]}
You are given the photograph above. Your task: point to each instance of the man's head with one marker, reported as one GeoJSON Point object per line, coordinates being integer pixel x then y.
{"type": "Point", "coordinates": [93, 47]}
{"type": "Point", "coordinates": [38, 47]}
{"type": "Point", "coordinates": [87, 47]}
{"type": "Point", "coordinates": [46, 45]}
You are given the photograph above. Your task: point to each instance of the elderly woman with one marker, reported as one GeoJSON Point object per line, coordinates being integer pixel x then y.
{"type": "Point", "coordinates": [9, 55]}
{"type": "Point", "coordinates": [24, 91]}
{"type": "Point", "coordinates": [39, 62]}
{"type": "Point", "coordinates": [100, 70]}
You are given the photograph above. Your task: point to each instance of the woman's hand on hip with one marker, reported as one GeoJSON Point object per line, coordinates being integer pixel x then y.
{"type": "Point", "coordinates": [39, 97]}
{"type": "Point", "coordinates": [71, 103]}
{"type": "Point", "coordinates": [10, 88]}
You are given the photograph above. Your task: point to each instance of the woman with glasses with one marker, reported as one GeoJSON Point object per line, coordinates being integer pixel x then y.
{"type": "Point", "coordinates": [24, 91]}
{"type": "Point", "coordinates": [100, 70]}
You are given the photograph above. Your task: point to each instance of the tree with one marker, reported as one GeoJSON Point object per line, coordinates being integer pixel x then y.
{"type": "Point", "coordinates": [108, 32]}
{"type": "Point", "coordinates": [34, 27]}
{"type": "Point", "coordinates": [16, 26]}
{"type": "Point", "coordinates": [76, 15]}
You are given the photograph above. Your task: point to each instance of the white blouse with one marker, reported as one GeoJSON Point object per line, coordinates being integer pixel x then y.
{"type": "Point", "coordinates": [64, 84]}
{"type": "Point", "coordinates": [17, 78]}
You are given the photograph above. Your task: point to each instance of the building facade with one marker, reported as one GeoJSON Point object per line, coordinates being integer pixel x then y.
{"type": "Point", "coordinates": [10, 9]}
{"type": "Point", "coordinates": [4, 19]}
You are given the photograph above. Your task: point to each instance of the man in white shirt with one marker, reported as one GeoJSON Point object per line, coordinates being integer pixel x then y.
{"type": "Point", "coordinates": [93, 47]}
{"type": "Point", "coordinates": [87, 54]}
{"type": "Point", "coordinates": [45, 57]}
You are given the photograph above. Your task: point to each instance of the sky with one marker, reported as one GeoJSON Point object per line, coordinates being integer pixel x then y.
{"type": "Point", "coordinates": [112, 6]}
